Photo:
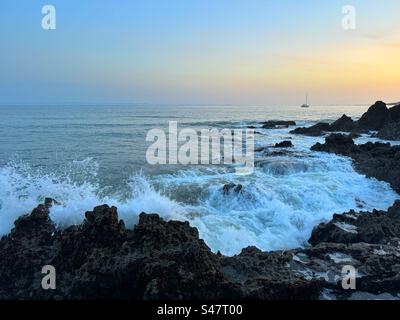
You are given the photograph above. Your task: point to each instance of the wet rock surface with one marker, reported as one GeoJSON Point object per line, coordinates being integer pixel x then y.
{"type": "Point", "coordinates": [101, 259]}
{"type": "Point", "coordinates": [284, 144]}
{"type": "Point", "coordinates": [315, 130]}
{"type": "Point", "coordinates": [377, 227]}
{"type": "Point", "coordinates": [345, 123]}
{"type": "Point", "coordinates": [231, 187]}
{"type": "Point", "coordinates": [378, 160]}
{"type": "Point", "coordinates": [277, 124]}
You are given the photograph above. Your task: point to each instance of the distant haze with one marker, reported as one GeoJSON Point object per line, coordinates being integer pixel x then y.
{"type": "Point", "coordinates": [254, 52]}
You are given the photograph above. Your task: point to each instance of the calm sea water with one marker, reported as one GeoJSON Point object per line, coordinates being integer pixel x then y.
{"type": "Point", "coordinates": [88, 155]}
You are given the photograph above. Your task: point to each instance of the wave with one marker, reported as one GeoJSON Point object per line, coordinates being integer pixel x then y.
{"type": "Point", "coordinates": [277, 208]}
{"type": "Point", "coordinates": [78, 190]}
{"type": "Point", "coordinates": [279, 205]}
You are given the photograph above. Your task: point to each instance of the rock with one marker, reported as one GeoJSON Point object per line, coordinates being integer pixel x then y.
{"type": "Point", "coordinates": [376, 265]}
{"type": "Point", "coordinates": [335, 142]}
{"type": "Point", "coordinates": [277, 124]}
{"type": "Point", "coordinates": [354, 135]}
{"type": "Point", "coordinates": [378, 160]}
{"type": "Point", "coordinates": [395, 113]}
{"type": "Point", "coordinates": [232, 187]}
{"type": "Point", "coordinates": [284, 144]}
{"type": "Point", "coordinates": [260, 149]}
{"type": "Point", "coordinates": [277, 153]}
{"type": "Point", "coordinates": [101, 259]}
{"type": "Point", "coordinates": [377, 227]}
{"type": "Point", "coordinates": [315, 130]}
{"type": "Point", "coordinates": [269, 276]}
{"type": "Point", "coordinates": [49, 202]}
{"type": "Point", "coordinates": [390, 131]}
{"type": "Point", "coordinates": [345, 123]}
{"type": "Point", "coordinates": [339, 139]}
{"type": "Point", "coordinates": [29, 246]}
{"type": "Point", "coordinates": [375, 118]}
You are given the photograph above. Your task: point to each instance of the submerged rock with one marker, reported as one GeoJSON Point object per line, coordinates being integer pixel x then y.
{"type": "Point", "coordinates": [232, 187]}
{"type": "Point", "coordinates": [284, 144]}
{"type": "Point", "coordinates": [277, 124]}
{"type": "Point", "coordinates": [315, 130]}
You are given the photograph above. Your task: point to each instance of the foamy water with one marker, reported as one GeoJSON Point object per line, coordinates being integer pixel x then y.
{"type": "Point", "coordinates": [278, 207]}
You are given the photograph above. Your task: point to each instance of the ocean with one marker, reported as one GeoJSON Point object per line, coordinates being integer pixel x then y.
{"type": "Point", "coordinates": [84, 156]}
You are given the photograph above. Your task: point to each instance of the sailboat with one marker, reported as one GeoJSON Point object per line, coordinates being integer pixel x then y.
{"type": "Point", "coordinates": [306, 105]}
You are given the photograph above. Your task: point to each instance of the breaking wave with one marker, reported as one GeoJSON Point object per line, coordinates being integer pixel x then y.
{"type": "Point", "coordinates": [276, 209]}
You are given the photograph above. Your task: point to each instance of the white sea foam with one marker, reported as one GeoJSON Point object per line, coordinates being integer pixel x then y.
{"type": "Point", "coordinates": [23, 188]}
{"type": "Point", "coordinates": [276, 209]}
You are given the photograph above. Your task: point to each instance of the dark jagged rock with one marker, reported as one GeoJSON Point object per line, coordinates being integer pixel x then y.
{"type": "Point", "coordinates": [378, 117]}
{"type": "Point", "coordinates": [336, 142]}
{"type": "Point", "coordinates": [315, 130]}
{"type": "Point", "coordinates": [232, 187]}
{"type": "Point", "coordinates": [29, 246]}
{"type": "Point", "coordinates": [375, 118]}
{"type": "Point", "coordinates": [390, 131]}
{"type": "Point", "coordinates": [345, 123]}
{"type": "Point", "coordinates": [377, 266]}
{"type": "Point", "coordinates": [277, 124]}
{"type": "Point", "coordinates": [49, 202]}
{"type": "Point", "coordinates": [268, 275]}
{"type": "Point", "coordinates": [378, 160]}
{"type": "Point", "coordinates": [377, 227]}
{"type": "Point", "coordinates": [395, 113]}
{"type": "Point", "coordinates": [284, 144]}
{"type": "Point", "coordinates": [101, 259]}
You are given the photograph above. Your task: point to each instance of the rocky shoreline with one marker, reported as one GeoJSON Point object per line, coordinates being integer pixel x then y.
{"type": "Point", "coordinates": [102, 259]}
{"type": "Point", "coordinates": [377, 160]}
{"type": "Point", "coordinates": [380, 118]}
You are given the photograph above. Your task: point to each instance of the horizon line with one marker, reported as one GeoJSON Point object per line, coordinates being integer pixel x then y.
{"type": "Point", "coordinates": [85, 104]}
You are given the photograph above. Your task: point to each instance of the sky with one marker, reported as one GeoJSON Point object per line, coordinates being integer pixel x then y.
{"type": "Point", "coordinates": [241, 52]}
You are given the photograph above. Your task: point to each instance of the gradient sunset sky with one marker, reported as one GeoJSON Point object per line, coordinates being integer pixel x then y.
{"type": "Point", "coordinates": [254, 52]}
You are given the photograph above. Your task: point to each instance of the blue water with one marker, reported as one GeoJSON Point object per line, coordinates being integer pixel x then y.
{"type": "Point", "coordinates": [88, 155]}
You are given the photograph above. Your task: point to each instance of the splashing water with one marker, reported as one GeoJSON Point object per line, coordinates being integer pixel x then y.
{"type": "Point", "coordinates": [276, 209]}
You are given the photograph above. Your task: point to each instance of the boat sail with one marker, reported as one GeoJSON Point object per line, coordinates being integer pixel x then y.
{"type": "Point", "coordinates": [306, 105]}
